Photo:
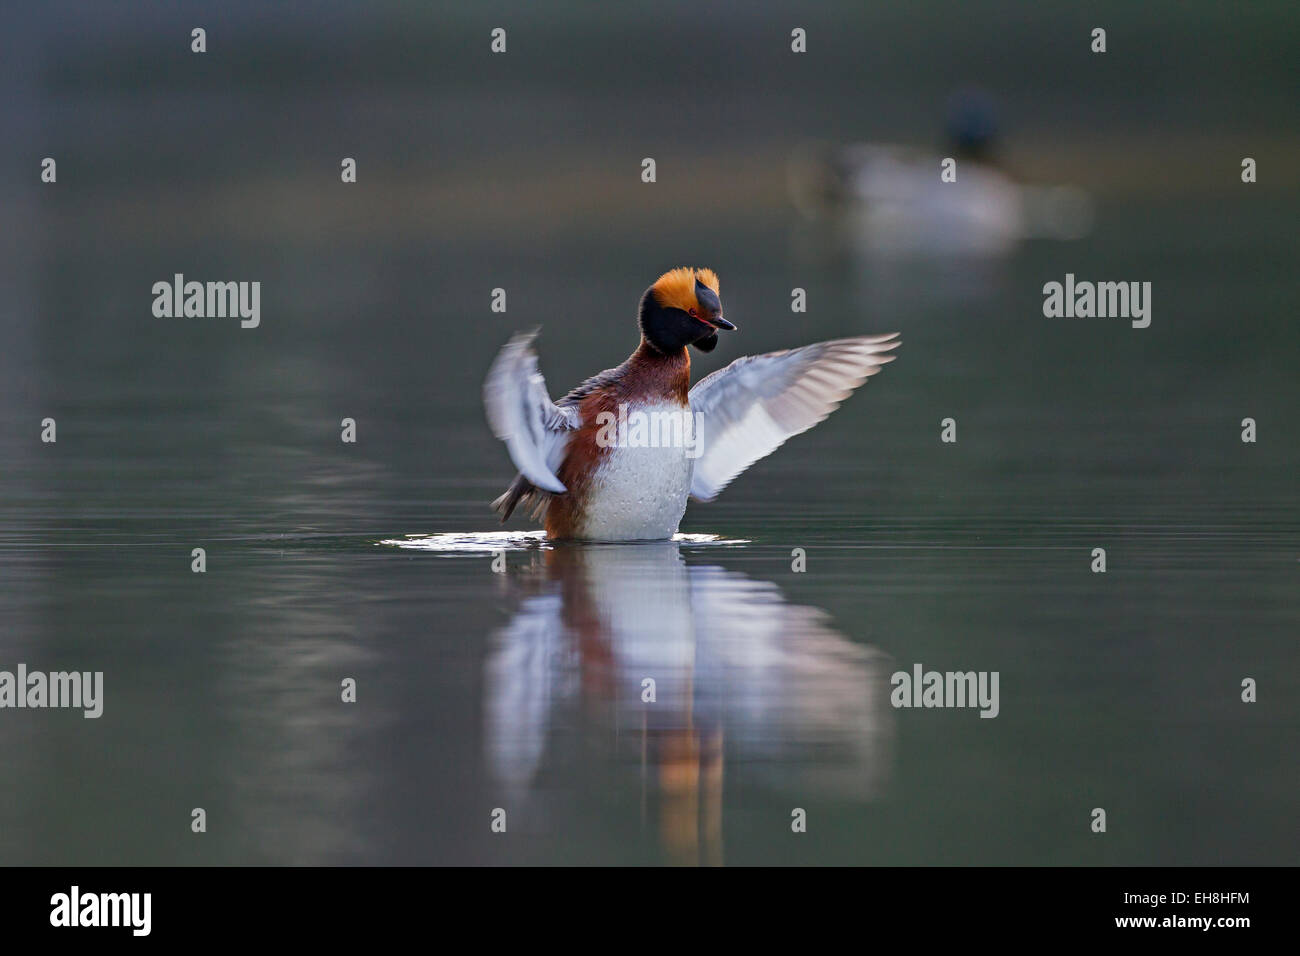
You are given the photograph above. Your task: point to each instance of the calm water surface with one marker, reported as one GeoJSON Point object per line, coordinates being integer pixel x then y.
{"type": "Point", "coordinates": [523, 690]}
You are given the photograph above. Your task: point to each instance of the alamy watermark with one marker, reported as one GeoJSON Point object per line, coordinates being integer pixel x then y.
{"type": "Point", "coordinates": [1102, 300]}
{"type": "Point", "coordinates": [922, 688]}
{"type": "Point", "coordinates": [654, 428]}
{"type": "Point", "coordinates": [208, 300]}
{"type": "Point", "coordinates": [37, 689]}
{"type": "Point", "coordinates": [75, 909]}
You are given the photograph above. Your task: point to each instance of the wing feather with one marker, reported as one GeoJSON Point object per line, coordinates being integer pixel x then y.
{"type": "Point", "coordinates": [748, 409]}
{"type": "Point", "coordinates": [521, 413]}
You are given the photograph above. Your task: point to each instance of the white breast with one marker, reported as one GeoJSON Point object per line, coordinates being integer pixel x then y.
{"type": "Point", "coordinates": [639, 493]}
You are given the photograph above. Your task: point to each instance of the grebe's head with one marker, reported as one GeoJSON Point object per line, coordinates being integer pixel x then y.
{"type": "Point", "coordinates": [682, 308]}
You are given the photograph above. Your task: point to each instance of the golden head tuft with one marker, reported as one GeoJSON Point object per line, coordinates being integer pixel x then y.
{"type": "Point", "coordinates": [676, 287]}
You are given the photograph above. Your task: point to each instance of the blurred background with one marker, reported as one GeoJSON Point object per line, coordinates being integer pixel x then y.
{"type": "Point", "coordinates": [521, 691]}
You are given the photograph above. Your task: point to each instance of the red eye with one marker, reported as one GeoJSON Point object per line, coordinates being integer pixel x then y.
{"type": "Point", "coordinates": [693, 314]}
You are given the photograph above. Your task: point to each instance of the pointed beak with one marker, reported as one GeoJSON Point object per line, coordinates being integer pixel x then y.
{"type": "Point", "coordinates": [718, 322]}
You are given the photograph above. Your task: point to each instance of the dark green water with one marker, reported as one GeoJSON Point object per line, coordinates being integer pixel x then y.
{"type": "Point", "coordinates": [522, 690]}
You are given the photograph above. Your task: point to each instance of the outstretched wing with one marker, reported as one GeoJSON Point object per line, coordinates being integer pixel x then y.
{"type": "Point", "coordinates": [748, 409]}
{"type": "Point", "coordinates": [523, 416]}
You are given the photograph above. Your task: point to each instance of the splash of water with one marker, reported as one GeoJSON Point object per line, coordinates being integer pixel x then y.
{"type": "Point", "coordinates": [479, 542]}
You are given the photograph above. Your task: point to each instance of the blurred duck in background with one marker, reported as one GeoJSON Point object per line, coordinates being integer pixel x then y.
{"type": "Point", "coordinates": [887, 199]}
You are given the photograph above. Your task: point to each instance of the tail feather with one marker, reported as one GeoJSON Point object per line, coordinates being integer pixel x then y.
{"type": "Point", "coordinates": [521, 490]}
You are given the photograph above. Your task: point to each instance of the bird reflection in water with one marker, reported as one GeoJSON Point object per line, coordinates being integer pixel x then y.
{"type": "Point", "coordinates": [630, 655]}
